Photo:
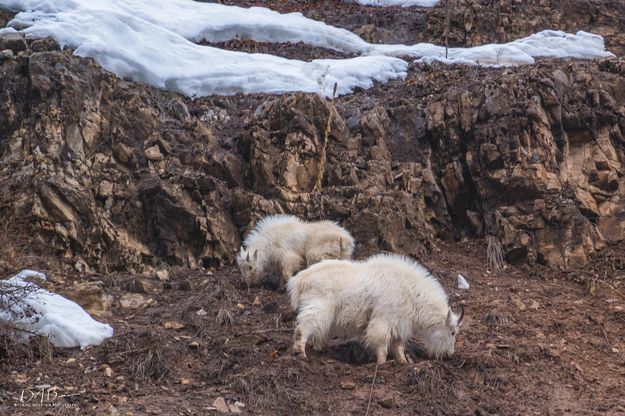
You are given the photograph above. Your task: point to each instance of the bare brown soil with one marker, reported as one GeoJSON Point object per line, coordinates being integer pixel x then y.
{"type": "Point", "coordinates": [534, 341]}
{"type": "Point", "coordinates": [298, 50]}
{"type": "Point", "coordinates": [5, 16]}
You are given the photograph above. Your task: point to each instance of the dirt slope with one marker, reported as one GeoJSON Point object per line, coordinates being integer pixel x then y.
{"type": "Point", "coordinates": [533, 342]}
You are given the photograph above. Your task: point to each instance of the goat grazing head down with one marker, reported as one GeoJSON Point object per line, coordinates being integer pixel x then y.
{"type": "Point", "coordinates": [440, 340]}
{"type": "Point", "coordinates": [250, 266]}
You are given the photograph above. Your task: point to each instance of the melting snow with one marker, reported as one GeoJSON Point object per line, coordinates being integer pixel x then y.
{"type": "Point", "coordinates": [153, 42]}
{"type": "Point", "coordinates": [548, 43]}
{"type": "Point", "coordinates": [38, 311]}
{"type": "Point", "coordinates": [148, 41]}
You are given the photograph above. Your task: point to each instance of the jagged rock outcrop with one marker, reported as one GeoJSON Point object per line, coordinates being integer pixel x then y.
{"type": "Point", "coordinates": [103, 174]}
{"type": "Point", "coordinates": [533, 156]}
{"type": "Point", "coordinates": [357, 183]}
{"type": "Point", "coordinates": [96, 169]}
{"type": "Point", "coordinates": [539, 156]}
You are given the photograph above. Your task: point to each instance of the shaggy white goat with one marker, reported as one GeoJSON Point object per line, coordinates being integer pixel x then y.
{"type": "Point", "coordinates": [285, 244]}
{"type": "Point", "coordinates": [388, 298]}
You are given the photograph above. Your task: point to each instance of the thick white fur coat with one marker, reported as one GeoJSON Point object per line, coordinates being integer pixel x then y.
{"type": "Point", "coordinates": [285, 244]}
{"type": "Point", "coordinates": [387, 298]}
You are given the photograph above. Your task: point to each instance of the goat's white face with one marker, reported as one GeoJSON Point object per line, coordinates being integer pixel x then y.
{"type": "Point", "coordinates": [249, 266]}
{"type": "Point", "coordinates": [440, 341]}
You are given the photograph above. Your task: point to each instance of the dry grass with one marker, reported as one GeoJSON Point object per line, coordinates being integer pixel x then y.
{"type": "Point", "coordinates": [18, 248]}
{"type": "Point", "coordinates": [494, 253]}
{"type": "Point", "coordinates": [12, 349]}
{"type": "Point", "coordinates": [13, 308]}
{"type": "Point", "coordinates": [224, 317]}
{"type": "Point", "coordinates": [148, 361]}
{"type": "Point", "coordinates": [150, 364]}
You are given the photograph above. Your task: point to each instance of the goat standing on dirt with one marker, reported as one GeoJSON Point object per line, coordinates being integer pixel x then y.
{"type": "Point", "coordinates": [285, 244]}
{"type": "Point", "coordinates": [388, 298]}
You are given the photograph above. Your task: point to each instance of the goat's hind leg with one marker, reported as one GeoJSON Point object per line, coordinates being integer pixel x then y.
{"type": "Point", "coordinates": [300, 339]}
{"type": "Point", "coordinates": [313, 323]}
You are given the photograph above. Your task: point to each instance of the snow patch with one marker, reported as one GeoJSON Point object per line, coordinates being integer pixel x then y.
{"type": "Point", "coordinates": [155, 42]}
{"type": "Point", "coordinates": [197, 21]}
{"type": "Point", "coordinates": [148, 42]}
{"type": "Point", "coordinates": [39, 311]}
{"type": "Point", "coordinates": [548, 43]}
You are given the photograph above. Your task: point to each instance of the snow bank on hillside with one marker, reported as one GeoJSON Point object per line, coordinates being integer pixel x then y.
{"type": "Point", "coordinates": [403, 3]}
{"type": "Point", "coordinates": [35, 310]}
{"type": "Point", "coordinates": [202, 21]}
{"type": "Point", "coordinates": [548, 43]}
{"type": "Point", "coordinates": [154, 42]}
{"type": "Point", "coordinates": [145, 40]}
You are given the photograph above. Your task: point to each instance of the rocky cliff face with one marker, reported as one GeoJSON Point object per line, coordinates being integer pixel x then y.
{"type": "Point", "coordinates": [105, 175]}
{"type": "Point", "coordinates": [533, 156]}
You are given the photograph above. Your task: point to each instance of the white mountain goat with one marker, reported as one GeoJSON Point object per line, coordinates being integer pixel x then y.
{"type": "Point", "coordinates": [388, 298]}
{"type": "Point", "coordinates": [285, 244]}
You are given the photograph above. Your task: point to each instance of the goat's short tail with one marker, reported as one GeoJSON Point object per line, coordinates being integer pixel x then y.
{"type": "Point", "coordinates": [346, 247]}
{"type": "Point", "coordinates": [294, 290]}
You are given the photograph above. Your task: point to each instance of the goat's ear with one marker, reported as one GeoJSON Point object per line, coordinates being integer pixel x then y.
{"type": "Point", "coordinates": [450, 317]}
{"type": "Point", "coordinates": [256, 254]}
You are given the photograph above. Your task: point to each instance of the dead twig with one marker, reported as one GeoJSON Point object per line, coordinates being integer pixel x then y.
{"type": "Point", "coordinates": [375, 375]}
{"type": "Point", "coordinates": [600, 325]}
{"type": "Point", "coordinates": [612, 287]}
{"type": "Point", "coordinates": [133, 351]}
{"type": "Point", "coordinates": [446, 28]}
{"type": "Point", "coordinates": [605, 334]}
{"type": "Point", "coordinates": [264, 331]}
{"type": "Point", "coordinates": [324, 145]}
